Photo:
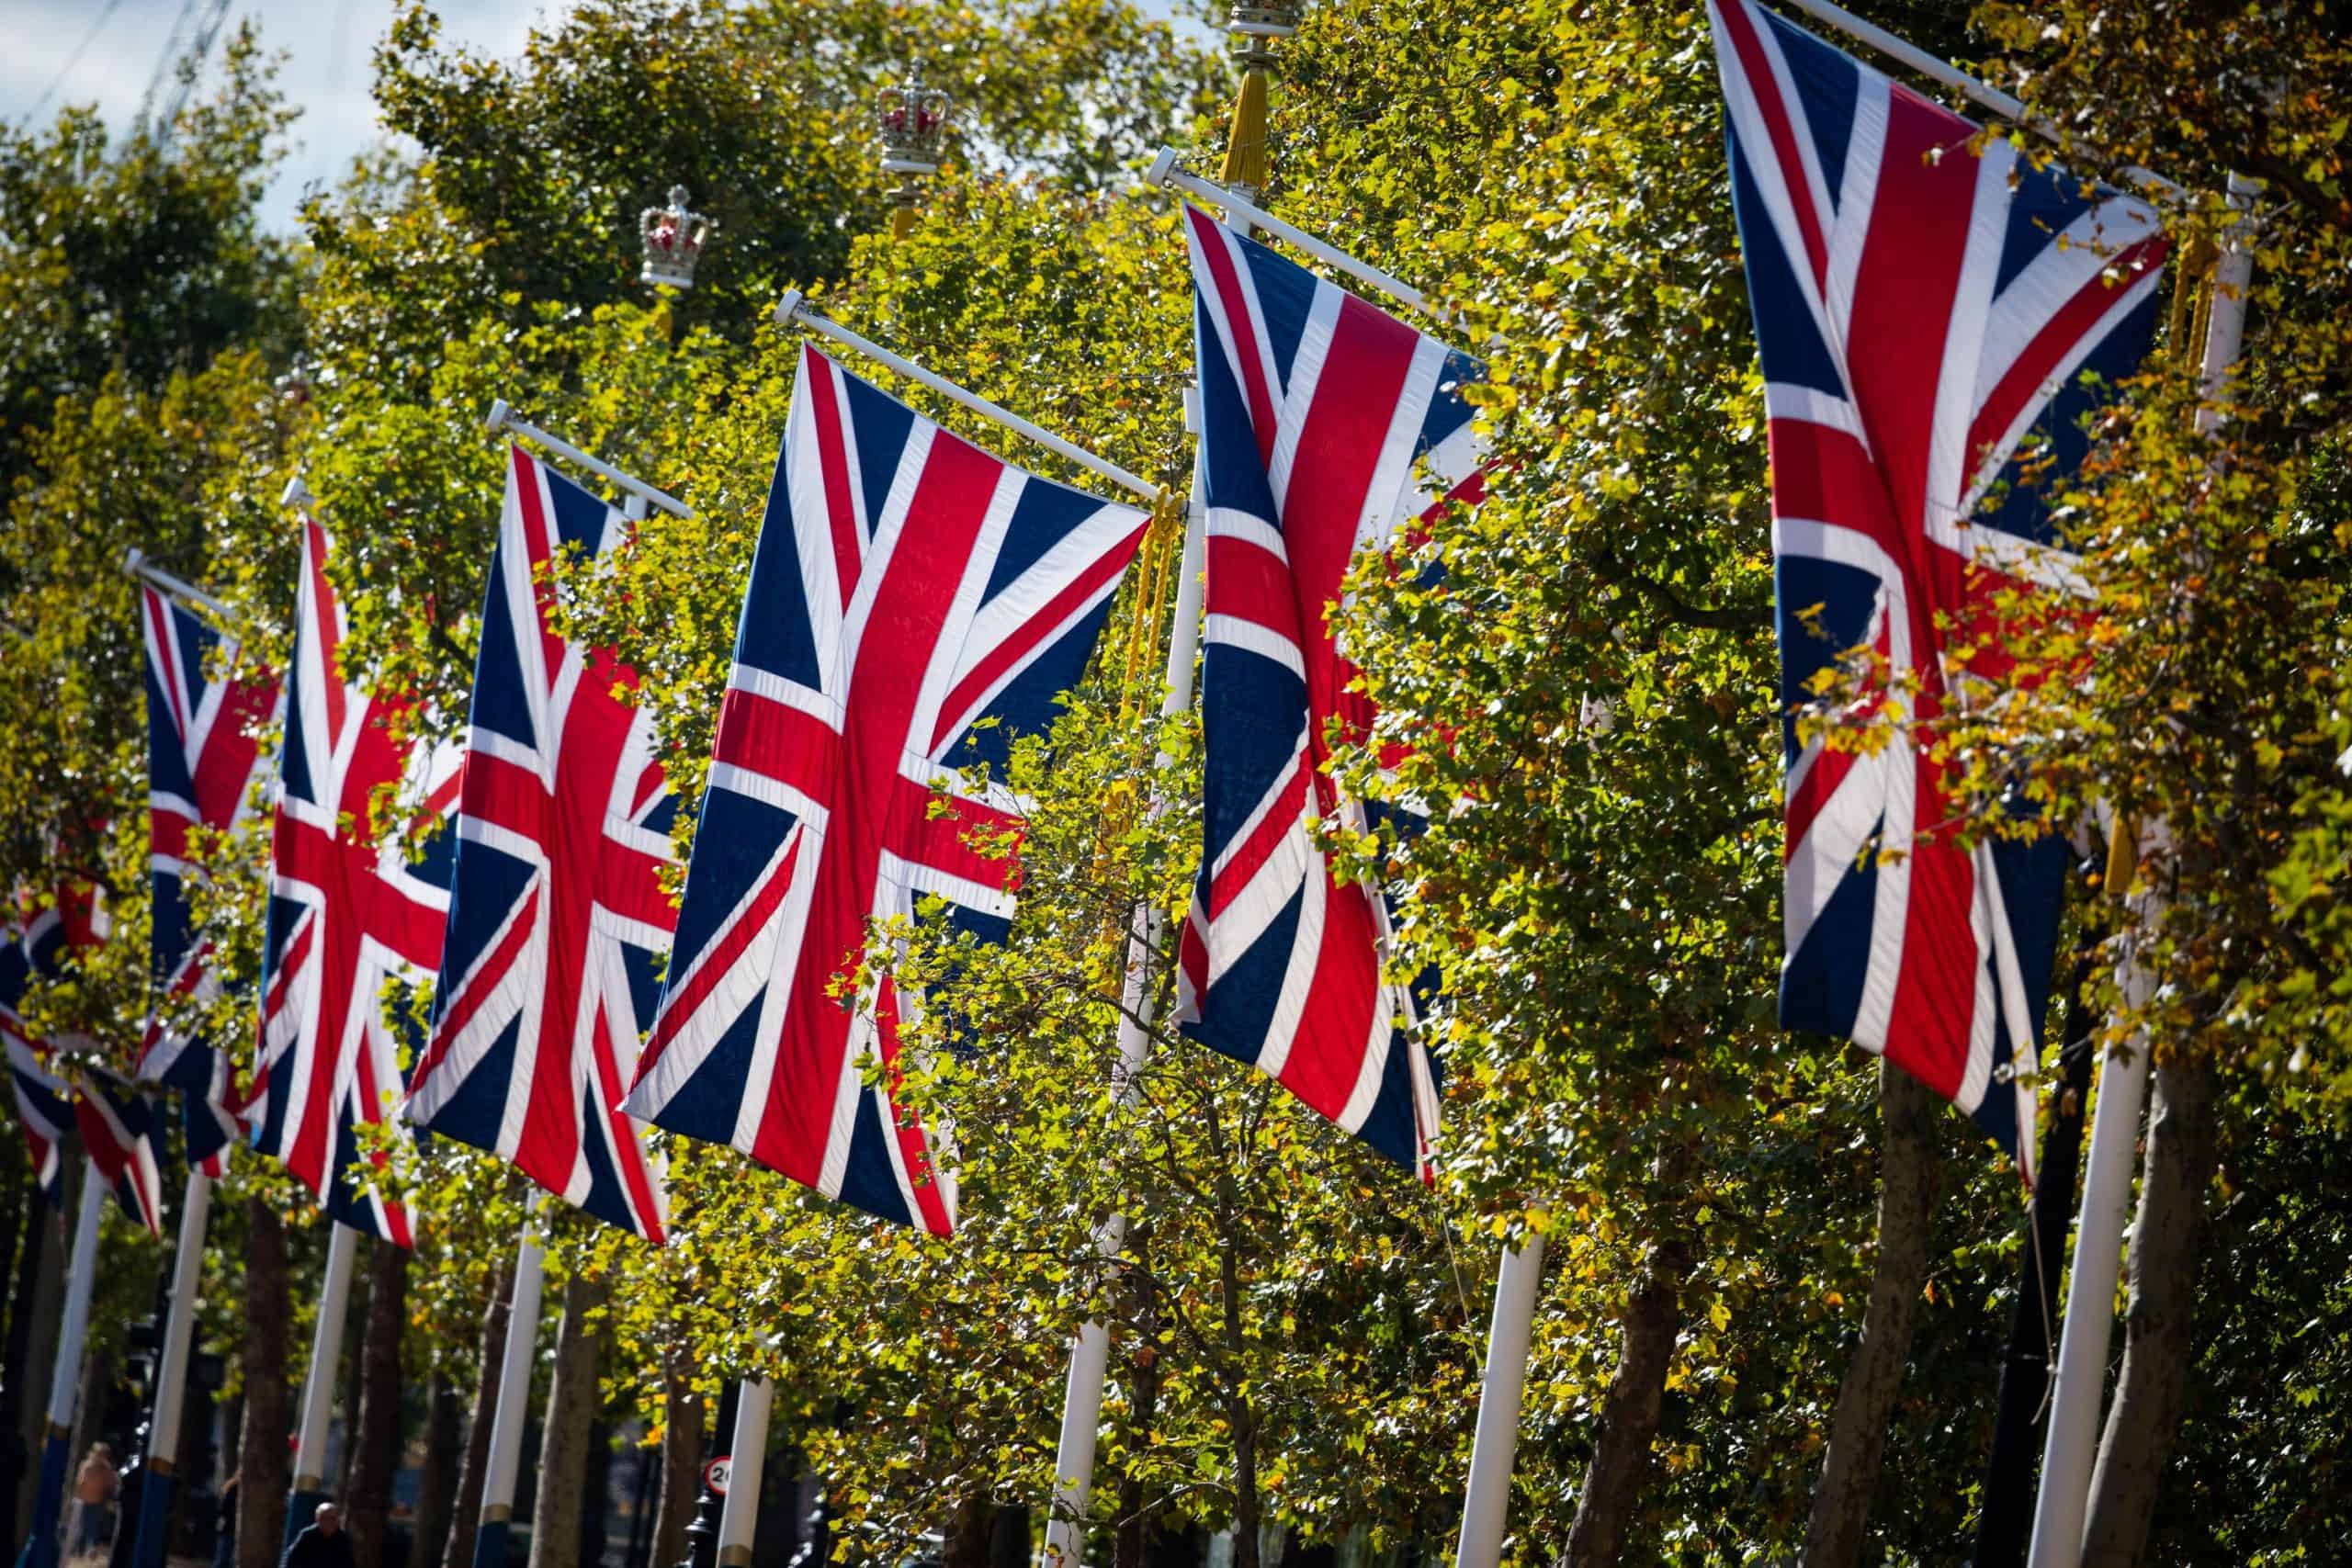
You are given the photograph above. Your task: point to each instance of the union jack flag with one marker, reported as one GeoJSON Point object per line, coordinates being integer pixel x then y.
{"type": "Point", "coordinates": [1327, 426]}
{"type": "Point", "coordinates": [1925, 301]}
{"type": "Point", "coordinates": [114, 1120]}
{"type": "Point", "coordinates": [117, 1125]}
{"type": "Point", "coordinates": [44, 1103]}
{"type": "Point", "coordinates": [201, 755]}
{"type": "Point", "coordinates": [914, 604]}
{"type": "Point", "coordinates": [346, 914]}
{"type": "Point", "coordinates": [557, 918]}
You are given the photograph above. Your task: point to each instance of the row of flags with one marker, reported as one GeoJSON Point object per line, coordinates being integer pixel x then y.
{"type": "Point", "coordinates": [915, 605]}
{"type": "Point", "coordinates": [1927, 304]}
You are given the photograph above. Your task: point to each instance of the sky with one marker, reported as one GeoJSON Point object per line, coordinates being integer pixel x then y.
{"type": "Point", "coordinates": [327, 44]}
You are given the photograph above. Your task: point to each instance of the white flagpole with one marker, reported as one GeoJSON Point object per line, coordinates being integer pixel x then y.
{"type": "Point", "coordinates": [171, 1374]}
{"type": "Point", "coordinates": [502, 418]}
{"type": "Point", "coordinates": [792, 310]}
{"type": "Point", "coordinates": [1164, 172]}
{"type": "Point", "coordinates": [318, 1384]}
{"type": "Point", "coordinates": [1486, 1506]}
{"type": "Point", "coordinates": [514, 1408]}
{"type": "Point", "coordinates": [2072, 1444]}
{"type": "Point", "coordinates": [740, 1517]}
{"type": "Point", "coordinates": [136, 564]}
{"type": "Point", "coordinates": [65, 1377]}
{"type": "Point", "coordinates": [1090, 1352]}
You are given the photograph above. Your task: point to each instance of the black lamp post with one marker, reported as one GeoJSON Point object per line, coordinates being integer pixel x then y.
{"type": "Point", "coordinates": [702, 1534]}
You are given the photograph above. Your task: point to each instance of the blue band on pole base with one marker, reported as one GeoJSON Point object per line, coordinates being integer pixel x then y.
{"type": "Point", "coordinates": [490, 1544]}
{"type": "Point", "coordinates": [48, 1503]}
{"type": "Point", "coordinates": [300, 1510]}
{"type": "Point", "coordinates": [154, 1540]}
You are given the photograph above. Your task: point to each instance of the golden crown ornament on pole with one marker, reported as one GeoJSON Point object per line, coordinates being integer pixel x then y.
{"type": "Point", "coordinates": [912, 120]}
{"type": "Point", "coordinates": [1253, 28]}
{"type": "Point", "coordinates": [675, 238]}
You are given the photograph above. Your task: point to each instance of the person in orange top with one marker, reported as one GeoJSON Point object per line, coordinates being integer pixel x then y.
{"type": "Point", "coordinates": [94, 1489]}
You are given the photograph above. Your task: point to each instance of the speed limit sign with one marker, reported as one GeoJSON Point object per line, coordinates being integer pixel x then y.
{"type": "Point", "coordinates": [715, 1475]}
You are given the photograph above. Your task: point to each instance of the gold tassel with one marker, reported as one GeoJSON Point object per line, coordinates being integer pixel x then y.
{"type": "Point", "coordinates": [2192, 301]}
{"type": "Point", "coordinates": [1245, 153]}
{"type": "Point", "coordinates": [902, 221]}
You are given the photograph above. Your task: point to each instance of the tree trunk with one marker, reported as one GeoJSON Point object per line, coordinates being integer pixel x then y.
{"type": "Point", "coordinates": [1841, 1503]}
{"type": "Point", "coordinates": [966, 1545]}
{"type": "Point", "coordinates": [436, 1487]}
{"type": "Point", "coordinates": [681, 1465]}
{"type": "Point", "coordinates": [1629, 1414]}
{"type": "Point", "coordinates": [31, 1347]}
{"type": "Point", "coordinates": [265, 1467]}
{"type": "Point", "coordinates": [1135, 1523]}
{"type": "Point", "coordinates": [465, 1514]}
{"type": "Point", "coordinates": [1247, 1510]}
{"type": "Point", "coordinates": [595, 1493]}
{"type": "Point", "coordinates": [376, 1443]}
{"type": "Point", "coordinates": [572, 1411]}
{"type": "Point", "coordinates": [2160, 1349]}
{"type": "Point", "coordinates": [1009, 1536]}
{"type": "Point", "coordinates": [352, 1370]}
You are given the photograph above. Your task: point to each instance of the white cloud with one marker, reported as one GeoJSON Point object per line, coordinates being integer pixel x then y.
{"type": "Point", "coordinates": [326, 75]}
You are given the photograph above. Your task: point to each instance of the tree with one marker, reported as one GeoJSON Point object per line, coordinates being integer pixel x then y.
{"type": "Point", "coordinates": [144, 259]}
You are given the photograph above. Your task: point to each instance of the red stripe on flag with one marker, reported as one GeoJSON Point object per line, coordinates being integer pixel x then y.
{"type": "Point", "coordinates": [606, 1094]}
{"type": "Point", "coordinates": [1821, 780]}
{"type": "Point", "coordinates": [832, 461]}
{"type": "Point", "coordinates": [323, 600]}
{"type": "Point", "coordinates": [774, 740]}
{"type": "Point", "coordinates": [538, 539]}
{"type": "Point", "coordinates": [167, 660]}
{"type": "Point", "coordinates": [1280, 821]}
{"type": "Point", "coordinates": [1934, 989]}
{"type": "Point", "coordinates": [1025, 638]}
{"type": "Point", "coordinates": [1248, 584]}
{"type": "Point", "coordinates": [1340, 445]}
{"type": "Point", "coordinates": [2060, 336]}
{"type": "Point", "coordinates": [1910, 277]}
{"type": "Point", "coordinates": [1326, 1053]}
{"type": "Point", "coordinates": [939, 838]}
{"type": "Point", "coordinates": [481, 986]}
{"type": "Point", "coordinates": [688, 998]}
{"type": "Point", "coordinates": [1756, 66]}
{"type": "Point", "coordinates": [1233, 304]}
{"type": "Point", "coordinates": [914, 1147]}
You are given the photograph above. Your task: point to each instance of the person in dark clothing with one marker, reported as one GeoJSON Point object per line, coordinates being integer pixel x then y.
{"type": "Point", "coordinates": [224, 1538]}
{"type": "Point", "coordinates": [322, 1543]}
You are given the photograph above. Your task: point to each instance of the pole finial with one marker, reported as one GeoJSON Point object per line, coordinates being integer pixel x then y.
{"type": "Point", "coordinates": [912, 122]}
{"type": "Point", "coordinates": [674, 239]}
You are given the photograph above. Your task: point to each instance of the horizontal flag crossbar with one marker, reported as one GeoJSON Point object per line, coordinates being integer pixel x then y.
{"type": "Point", "coordinates": [792, 309]}
{"type": "Point", "coordinates": [1982, 94]}
{"type": "Point", "coordinates": [136, 564]}
{"type": "Point", "coordinates": [503, 418]}
{"type": "Point", "coordinates": [1164, 172]}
